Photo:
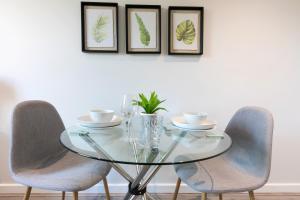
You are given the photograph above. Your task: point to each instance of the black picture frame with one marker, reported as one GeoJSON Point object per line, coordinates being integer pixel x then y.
{"type": "Point", "coordinates": [129, 48]}
{"type": "Point", "coordinates": [84, 36]}
{"type": "Point", "coordinates": [200, 38]}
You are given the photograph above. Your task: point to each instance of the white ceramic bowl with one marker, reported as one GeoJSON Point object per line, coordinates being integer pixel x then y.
{"type": "Point", "coordinates": [195, 117]}
{"type": "Point", "coordinates": [102, 116]}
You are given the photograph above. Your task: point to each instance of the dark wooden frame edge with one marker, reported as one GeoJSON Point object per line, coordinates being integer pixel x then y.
{"type": "Point", "coordinates": [201, 9]}
{"type": "Point", "coordinates": [128, 6]}
{"type": "Point", "coordinates": [83, 47]}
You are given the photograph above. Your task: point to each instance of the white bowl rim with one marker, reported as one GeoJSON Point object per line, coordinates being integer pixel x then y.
{"type": "Point", "coordinates": [101, 111]}
{"type": "Point", "coordinates": [200, 114]}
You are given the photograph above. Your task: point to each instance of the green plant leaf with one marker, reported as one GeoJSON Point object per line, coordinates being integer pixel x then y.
{"type": "Point", "coordinates": [153, 101]}
{"type": "Point", "coordinates": [144, 33]}
{"type": "Point", "coordinates": [144, 103]}
{"type": "Point", "coordinates": [98, 32]}
{"type": "Point", "coordinates": [157, 109]}
{"type": "Point", "coordinates": [150, 105]}
{"type": "Point", "coordinates": [186, 32]}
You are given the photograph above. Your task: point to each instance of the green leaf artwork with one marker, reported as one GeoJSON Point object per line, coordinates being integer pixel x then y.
{"type": "Point", "coordinates": [98, 31]}
{"type": "Point", "coordinates": [186, 32]}
{"type": "Point", "coordinates": [144, 33]}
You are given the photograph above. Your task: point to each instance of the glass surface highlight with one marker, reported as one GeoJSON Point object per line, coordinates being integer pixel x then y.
{"type": "Point", "coordinates": [176, 146]}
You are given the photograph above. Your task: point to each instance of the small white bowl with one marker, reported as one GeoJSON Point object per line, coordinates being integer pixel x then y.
{"type": "Point", "coordinates": [195, 117]}
{"type": "Point", "coordinates": [102, 116]}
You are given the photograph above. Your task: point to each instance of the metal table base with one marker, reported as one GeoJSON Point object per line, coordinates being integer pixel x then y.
{"type": "Point", "coordinates": [138, 185]}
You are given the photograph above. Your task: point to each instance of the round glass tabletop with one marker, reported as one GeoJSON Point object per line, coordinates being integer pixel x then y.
{"type": "Point", "coordinates": [176, 146]}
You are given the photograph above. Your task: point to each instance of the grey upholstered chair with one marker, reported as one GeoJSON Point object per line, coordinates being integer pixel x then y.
{"type": "Point", "coordinates": [245, 167]}
{"type": "Point", "coordinates": [37, 159]}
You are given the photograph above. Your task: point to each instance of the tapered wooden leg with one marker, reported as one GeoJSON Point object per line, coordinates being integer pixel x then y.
{"type": "Point", "coordinates": [63, 195]}
{"type": "Point", "coordinates": [251, 195]}
{"type": "Point", "coordinates": [75, 195]}
{"type": "Point", "coordinates": [220, 197]}
{"type": "Point", "coordinates": [27, 195]}
{"type": "Point", "coordinates": [177, 188]}
{"type": "Point", "coordinates": [106, 189]}
{"type": "Point", "coordinates": [203, 196]}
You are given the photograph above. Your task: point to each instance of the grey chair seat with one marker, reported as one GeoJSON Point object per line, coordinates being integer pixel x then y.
{"type": "Point", "coordinates": [218, 175]}
{"type": "Point", "coordinates": [244, 167]}
{"type": "Point", "coordinates": [69, 173]}
{"type": "Point", "coordinates": [37, 159]}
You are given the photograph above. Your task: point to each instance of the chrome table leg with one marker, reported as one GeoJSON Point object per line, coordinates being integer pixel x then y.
{"type": "Point", "coordinates": [137, 186]}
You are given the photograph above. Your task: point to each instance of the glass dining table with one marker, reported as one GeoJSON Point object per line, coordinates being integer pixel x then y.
{"type": "Point", "coordinates": [114, 145]}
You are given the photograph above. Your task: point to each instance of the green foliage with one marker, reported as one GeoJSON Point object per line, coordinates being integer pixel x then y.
{"type": "Point", "coordinates": [150, 105]}
{"type": "Point", "coordinates": [186, 32]}
{"type": "Point", "coordinates": [144, 33]}
{"type": "Point", "coordinates": [98, 32]}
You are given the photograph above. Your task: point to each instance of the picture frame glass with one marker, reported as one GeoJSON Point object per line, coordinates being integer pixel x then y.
{"type": "Point", "coordinates": [143, 30]}
{"type": "Point", "coordinates": [100, 28]}
{"type": "Point", "coordinates": [185, 31]}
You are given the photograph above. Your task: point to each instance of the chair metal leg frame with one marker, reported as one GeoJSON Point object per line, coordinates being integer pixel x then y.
{"type": "Point", "coordinates": [177, 188]}
{"type": "Point", "coordinates": [203, 196]}
{"type": "Point", "coordinates": [137, 186]}
{"type": "Point", "coordinates": [63, 195]}
{"type": "Point", "coordinates": [106, 189]}
{"type": "Point", "coordinates": [27, 194]}
{"type": "Point", "coordinates": [251, 195]}
{"type": "Point", "coordinates": [75, 195]}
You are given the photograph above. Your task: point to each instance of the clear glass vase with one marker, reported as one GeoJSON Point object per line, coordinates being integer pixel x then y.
{"type": "Point", "coordinates": [152, 125]}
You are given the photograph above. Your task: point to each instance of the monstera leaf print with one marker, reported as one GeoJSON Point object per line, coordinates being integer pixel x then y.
{"type": "Point", "coordinates": [144, 33]}
{"type": "Point", "coordinates": [98, 31]}
{"type": "Point", "coordinates": [186, 32]}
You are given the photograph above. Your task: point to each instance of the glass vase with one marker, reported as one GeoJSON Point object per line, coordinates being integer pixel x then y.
{"type": "Point", "coordinates": [152, 126]}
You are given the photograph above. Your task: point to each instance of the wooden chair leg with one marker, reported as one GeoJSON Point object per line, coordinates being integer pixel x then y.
{"type": "Point", "coordinates": [220, 197]}
{"type": "Point", "coordinates": [203, 196]}
{"type": "Point", "coordinates": [27, 194]}
{"type": "Point", "coordinates": [177, 188]}
{"type": "Point", "coordinates": [251, 195]}
{"type": "Point", "coordinates": [106, 189]}
{"type": "Point", "coordinates": [75, 195]}
{"type": "Point", "coordinates": [63, 195]}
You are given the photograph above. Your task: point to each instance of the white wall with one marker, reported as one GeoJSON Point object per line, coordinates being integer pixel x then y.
{"type": "Point", "coordinates": [251, 57]}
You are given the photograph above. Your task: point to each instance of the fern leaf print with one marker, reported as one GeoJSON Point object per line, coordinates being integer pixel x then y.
{"type": "Point", "coordinates": [144, 33]}
{"type": "Point", "coordinates": [98, 30]}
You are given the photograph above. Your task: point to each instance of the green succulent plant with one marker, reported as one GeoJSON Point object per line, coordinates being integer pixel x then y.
{"type": "Point", "coordinates": [151, 105]}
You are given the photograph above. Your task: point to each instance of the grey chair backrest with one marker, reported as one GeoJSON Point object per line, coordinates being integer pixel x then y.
{"type": "Point", "coordinates": [251, 130]}
{"type": "Point", "coordinates": [36, 129]}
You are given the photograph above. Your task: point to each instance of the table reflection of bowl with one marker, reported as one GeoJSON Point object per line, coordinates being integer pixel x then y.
{"type": "Point", "coordinates": [198, 139]}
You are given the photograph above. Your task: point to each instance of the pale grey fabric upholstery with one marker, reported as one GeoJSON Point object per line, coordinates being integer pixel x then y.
{"type": "Point", "coordinates": [246, 166]}
{"type": "Point", "coordinates": [37, 158]}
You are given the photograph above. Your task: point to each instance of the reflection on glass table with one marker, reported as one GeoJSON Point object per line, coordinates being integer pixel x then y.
{"type": "Point", "coordinates": [176, 147]}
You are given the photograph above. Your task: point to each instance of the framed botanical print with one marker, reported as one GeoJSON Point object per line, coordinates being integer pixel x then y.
{"type": "Point", "coordinates": [186, 30]}
{"type": "Point", "coordinates": [143, 27]}
{"type": "Point", "coordinates": [99, 24]}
